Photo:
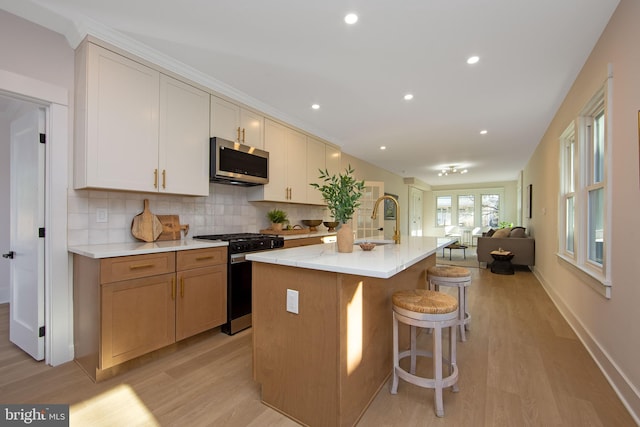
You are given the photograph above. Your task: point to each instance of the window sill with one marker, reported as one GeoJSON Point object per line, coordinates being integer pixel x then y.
{"type": "Point", "coordinates": [596, 281]}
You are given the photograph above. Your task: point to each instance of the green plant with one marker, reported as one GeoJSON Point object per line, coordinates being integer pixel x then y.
{"type": "Point", "coordinates": [342, 193]}
{"type": "Point", "coordinates": [505, 224]}
{"type": "Point", "coordinates": [277, 216]}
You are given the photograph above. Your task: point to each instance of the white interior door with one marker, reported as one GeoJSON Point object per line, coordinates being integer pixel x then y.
{"type": "Point", "coordinates": [415, 211]}
{"type": "Point", "coordinates": [365, 226]}
{"type": "Point", "coordinates": [26, 295]}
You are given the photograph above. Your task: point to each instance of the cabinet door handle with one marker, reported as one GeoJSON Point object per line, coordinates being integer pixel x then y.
{"type": "Point", "coordinates": [182, 287]}
{"type": "Point", "coordinates": [202, 258]}
{"type": "Point", "coordinates": [155, 178]}
{"type": "Point", "coordinates": [238, 133]}
{"type": "Point", "coordinates": [173, 288]}
{"type": "Point", "coordinates": [137, 266]}
{"type": "Point", "coordinates": [242, 134]}
{"type": "Point", "coordinates": [164, 178]}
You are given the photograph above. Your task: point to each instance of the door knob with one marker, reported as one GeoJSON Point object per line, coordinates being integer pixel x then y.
{"type": "Point", "coordinates": [9, 255]}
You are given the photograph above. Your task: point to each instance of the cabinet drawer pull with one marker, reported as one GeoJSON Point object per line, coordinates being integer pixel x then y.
{"type": "Point", "coordinates": [182, 287]}
{"type": "Point", "coordinates": [155, 178]}
{"type": "Point", "coordinates": [202, 258]}
{"type": "Point", "coordinates": [137, 266]}
{"type": "Point", "coordinates": [164, 178]}
{"type": "Point", "coordinates": [173, 288]}
{"type": "Point", "coordinates": [243, 135]}
{"type": "Point", "coordinates": [239, 134]}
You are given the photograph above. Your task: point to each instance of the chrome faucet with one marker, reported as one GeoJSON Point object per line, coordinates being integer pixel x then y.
{"type": "Point", "coordinates": [396, 231]}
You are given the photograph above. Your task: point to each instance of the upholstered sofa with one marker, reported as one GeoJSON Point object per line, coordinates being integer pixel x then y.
{"type": "Point", "coordinates": [512, 239]}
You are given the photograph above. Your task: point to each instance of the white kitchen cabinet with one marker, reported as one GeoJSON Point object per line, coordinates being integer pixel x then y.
{"type": "Point", "coordinates": [316, 161]}
{"type": "Point", "coordinates": [184, 138]}
{"type": "Point", "coordinates": [234, 123]}
{"type": "Point", "coordinates": [117, 102]}
{"type": "Point", "coordinates": [136, 129]}
{"type": "Point", "coordinates": [333, 158]}
{"type": "Point", "coordinates": [287, 165]}
{"type": "Point", "coordinates": [320, 156]}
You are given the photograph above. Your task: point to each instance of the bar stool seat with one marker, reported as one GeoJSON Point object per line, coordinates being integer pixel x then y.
{"type": "Point", "coordinates": [460, 277]}
{"type": "Point", "coordinates": [421, 308]}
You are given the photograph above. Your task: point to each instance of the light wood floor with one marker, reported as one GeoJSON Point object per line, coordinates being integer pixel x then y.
{"type": "Point", "coordinates": [521, 366]}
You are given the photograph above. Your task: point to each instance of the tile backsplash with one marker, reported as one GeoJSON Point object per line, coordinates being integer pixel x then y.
{"type": "Point", "coordinates": [225, 210]}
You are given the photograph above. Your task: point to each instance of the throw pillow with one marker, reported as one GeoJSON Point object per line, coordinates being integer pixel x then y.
{"type": "Point", "coordinates": [501, 233]}
{"type": "Point", "coordinates": [489, 233]}
{"type": "Point", "coordinates": [518, 232]}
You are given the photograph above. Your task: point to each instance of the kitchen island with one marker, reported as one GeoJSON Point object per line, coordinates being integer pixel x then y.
{"type": "Point", "coordinates": [322, 330]}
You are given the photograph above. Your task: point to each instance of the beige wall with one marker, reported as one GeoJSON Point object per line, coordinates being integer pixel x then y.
{"type": "Point", "coordinates": [393, 184]}
{"type": "Point", "coordinates": [609, 328]}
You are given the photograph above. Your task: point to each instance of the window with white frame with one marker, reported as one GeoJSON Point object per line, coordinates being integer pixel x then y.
{"type": "Point", "coordinates": [583, 190]}
{"type": "Point", "coordinates": [490, 210]}
{"type": "Point", "coordinates": [481, 207]}
{"type": "Point", "coordinates": [466, 208]}
{"type": "Point", "coordinates": [568, 189]}
{"type": "Point", "coordinates": [443, 211]}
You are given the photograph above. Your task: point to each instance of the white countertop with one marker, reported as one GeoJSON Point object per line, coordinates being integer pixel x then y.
{"type": "Point", "coordinates": [109, 250]}
{"type": "Point", "coordinates": [383, 261]}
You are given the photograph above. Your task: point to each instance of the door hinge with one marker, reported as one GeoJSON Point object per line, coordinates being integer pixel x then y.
{"type": "Point", "coordinates": [41, 331]}
{"type": "Point", "coordinates": [41, 232]}
{"type": "Point", "coordinates": [43, 138]}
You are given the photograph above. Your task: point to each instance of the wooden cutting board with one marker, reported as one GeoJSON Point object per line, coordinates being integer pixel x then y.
{"type": "Point", "coordinates": [171, 227]}
{"type": "Point", "coordinates": [146, 226]}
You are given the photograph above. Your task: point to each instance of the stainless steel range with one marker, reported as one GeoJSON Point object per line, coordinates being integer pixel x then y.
{"type": "Point", "coordinates": [239, 274]}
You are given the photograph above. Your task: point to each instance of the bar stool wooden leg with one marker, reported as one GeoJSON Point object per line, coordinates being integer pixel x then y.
{"type": "Point", "coordinates": [396, 358]}
{"type": "Point", "coordinates": [421, 308]}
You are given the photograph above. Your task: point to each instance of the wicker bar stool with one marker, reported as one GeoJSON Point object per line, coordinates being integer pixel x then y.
{"type": "Point", "coordinates": [460, 277]}
{"type": "Point", "coordinates": [421, 308]}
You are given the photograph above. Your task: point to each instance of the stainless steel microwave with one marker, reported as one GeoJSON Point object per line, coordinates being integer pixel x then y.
{"type": "Point", "coordinates": [238, 164]}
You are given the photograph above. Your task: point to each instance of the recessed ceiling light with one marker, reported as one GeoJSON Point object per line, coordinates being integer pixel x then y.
{"type": "Point", "coordinates": [483, 132]}
{"type": "Point", "coordinates": [473, 59]}
{"type": "Point", "coordinates": [315, 106]}
{"type": "Point", "coordinates": [351, 18]}
{"type": "Point", "coordinates": [408, 97]}
{"type": "Point", "coordinates": [382, 147]}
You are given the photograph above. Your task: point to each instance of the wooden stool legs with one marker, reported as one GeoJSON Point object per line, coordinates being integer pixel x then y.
{"type": "Point", "coordinates": [436, 322]}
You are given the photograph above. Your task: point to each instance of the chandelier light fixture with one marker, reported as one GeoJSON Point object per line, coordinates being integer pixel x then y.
{"type": "Point", "coordinates": [452, 170]}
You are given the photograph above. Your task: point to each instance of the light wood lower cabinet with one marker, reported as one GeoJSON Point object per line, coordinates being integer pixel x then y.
{"type": "Point", "coordinates": [138, 316]}
{"type": "Point", "coordinates": [126, 307]}
{"type": "Point", "coordinates": [201, 301]}
{"type": "Point", "coordinates": [304, 241]}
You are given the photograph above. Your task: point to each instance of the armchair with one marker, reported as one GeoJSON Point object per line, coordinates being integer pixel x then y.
{"type": "Point", "coordinates": [452, 231]}
{"type": "Point", "coordinates": [475, 233]}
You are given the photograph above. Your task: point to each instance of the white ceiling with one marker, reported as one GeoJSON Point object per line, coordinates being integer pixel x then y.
{"type": "Point", "coordinates": [288, 54]}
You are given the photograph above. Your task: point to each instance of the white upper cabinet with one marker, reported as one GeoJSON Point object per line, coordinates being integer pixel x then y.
{"type": "Point", "coordinates": [333, 158]}
{"type": "Point", "coordinates": [294, 161]}
{"type": "Point", "coordinates": [234, 123]}
{"type": "Point", "coordinates": [136, 129]}
{"type": "Point", "coordinates": [315, 162]}
{"type": "Point", "coordinates": [184, 138]}
{"type": "Point", "coordinates": [116, 141]}
{"type": "Point", "coordinates": [287, 165]}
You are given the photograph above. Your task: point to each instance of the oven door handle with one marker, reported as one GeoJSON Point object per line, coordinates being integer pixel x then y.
{"type": "Point", "coordinates": [237, 258]}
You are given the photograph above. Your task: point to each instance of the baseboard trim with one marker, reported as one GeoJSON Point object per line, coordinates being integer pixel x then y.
{"type": "Point", "coordinates": [627, 393]}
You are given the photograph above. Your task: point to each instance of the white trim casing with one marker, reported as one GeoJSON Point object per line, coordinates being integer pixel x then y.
{"type": "Point", "coordinates": [58, 284]}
